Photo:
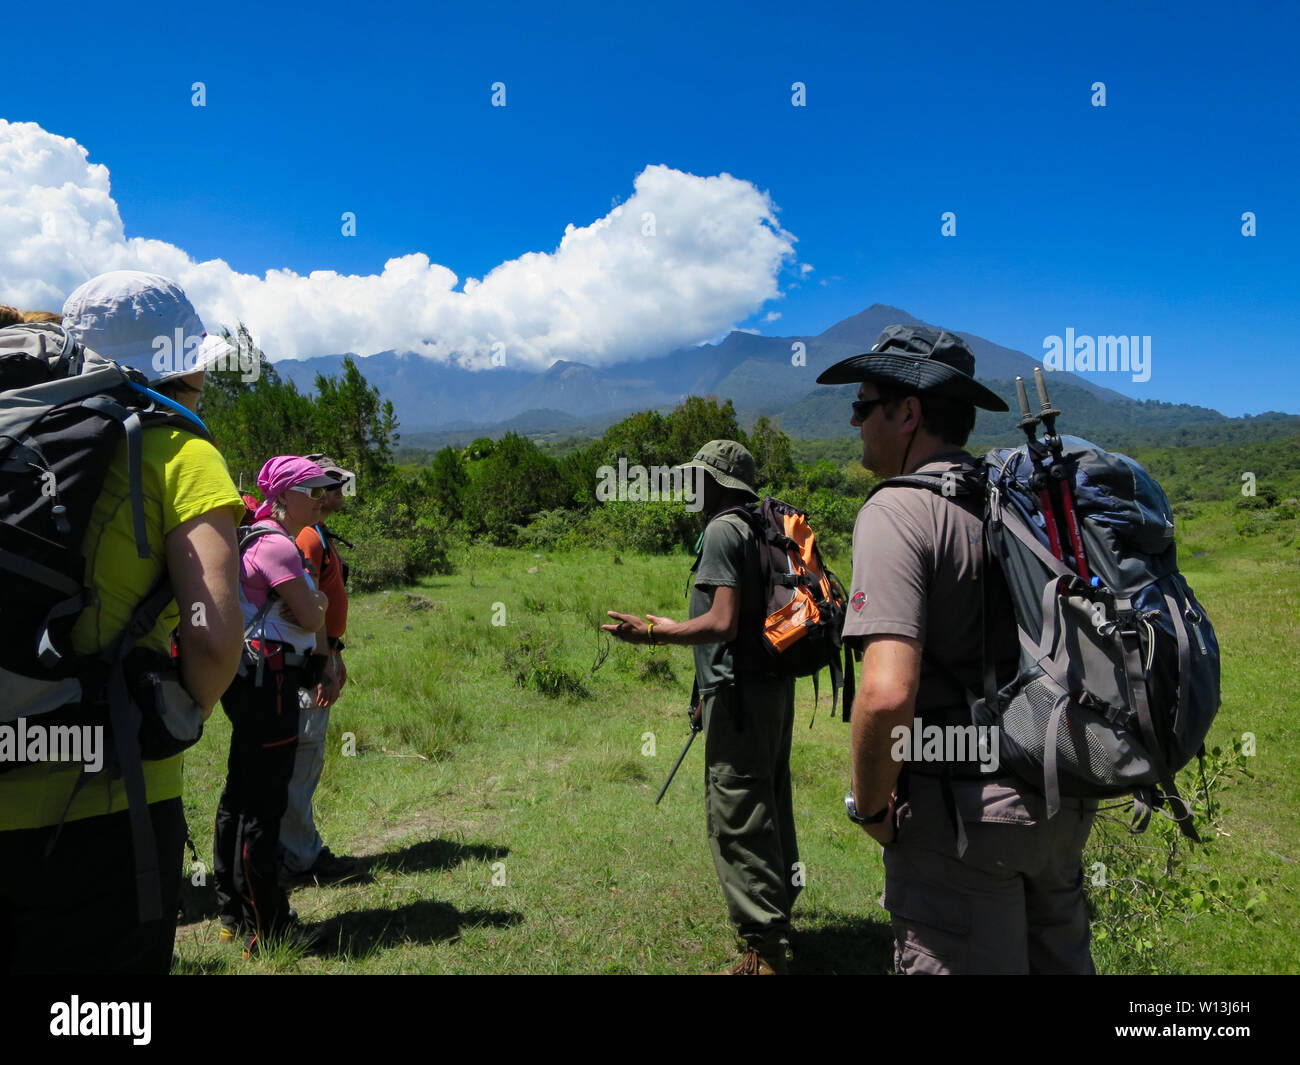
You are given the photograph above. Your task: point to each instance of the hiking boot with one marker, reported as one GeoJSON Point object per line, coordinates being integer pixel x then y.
{"type": "Point", "coordinates": [754, 963]}
{"type": "Point", "coordinates": [329, 868]}
{"type": "Point", "coordinates": [292, 932]}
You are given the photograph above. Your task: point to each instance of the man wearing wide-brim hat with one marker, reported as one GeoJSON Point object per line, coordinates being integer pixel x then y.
{"type": "Point", "coordinates": [747, 715]}
{"type": "Point", "coordinates": [977, 879]}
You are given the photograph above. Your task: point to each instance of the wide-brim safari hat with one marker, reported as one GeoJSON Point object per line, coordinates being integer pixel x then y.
{"type": "Point", "coordinates": [729, 462]}
{"type": "Point", "coordinates": [921, 359]}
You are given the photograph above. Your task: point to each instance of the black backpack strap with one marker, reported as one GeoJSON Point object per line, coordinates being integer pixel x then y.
{"type": "Point", "coordinates": [760, 529]}
{"type": "Point", "coordinates": [326, 549]}
{"type": "Point", "coordinates": [124, 722]}
{"type": "Point", "coordinates": [850, 685]}
{"type": "Point", "coordinates": [954, 811]}
{"type": "Point", "coordinates": [968, 477]}
{"type": "Point", "coordinates": [247, 535]}
{"type": "Point", "coordinates": [837, 686]}
{"type": "Point", "coordinates": [125, 718]}
{"type": "Point", "coordinates": [1135, 679]}
{"type": "Point", "coordinates": [133, 429]}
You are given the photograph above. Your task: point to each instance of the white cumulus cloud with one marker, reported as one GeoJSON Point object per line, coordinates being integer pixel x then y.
{"type": "Point", "coordinates": [680, 260]}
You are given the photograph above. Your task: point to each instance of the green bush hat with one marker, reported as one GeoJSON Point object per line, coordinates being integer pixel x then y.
{"type": "Point", "coordinates": [921, 359]}
{"type": "Point", "coordinates": [731, 465]}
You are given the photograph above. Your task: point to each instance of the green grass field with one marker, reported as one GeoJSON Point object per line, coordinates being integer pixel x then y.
{"type": "Point", "coordinates": [510, 827]}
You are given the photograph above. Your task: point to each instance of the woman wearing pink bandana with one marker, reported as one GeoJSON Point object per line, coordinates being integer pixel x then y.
{"type": "Point", "coordinates": [282, 612]}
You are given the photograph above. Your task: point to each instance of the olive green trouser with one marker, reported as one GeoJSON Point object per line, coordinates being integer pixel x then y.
{"type": "Point", "coordinates": [747, 732]}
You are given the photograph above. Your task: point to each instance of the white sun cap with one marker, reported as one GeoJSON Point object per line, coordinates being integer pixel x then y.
{"type": "Point", "coordinates": [143, 321]}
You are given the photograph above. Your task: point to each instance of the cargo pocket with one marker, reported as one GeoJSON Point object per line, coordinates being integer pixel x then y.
{"type": "Point", "coordinates": [931, 928]}
{"type": "Point", "coordinates": [736, 805]}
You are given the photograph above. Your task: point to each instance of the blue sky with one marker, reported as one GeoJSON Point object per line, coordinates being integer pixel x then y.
{"type": "Point", "coordinates": [1121, 219]}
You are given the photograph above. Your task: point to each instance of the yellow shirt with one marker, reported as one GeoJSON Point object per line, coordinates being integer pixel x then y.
{"type": "Point", "coordinates": [184, 477]}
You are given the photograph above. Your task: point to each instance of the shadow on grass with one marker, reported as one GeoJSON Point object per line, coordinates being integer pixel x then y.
{"type": "Point", "coordinates": [362, 932]}
{"type": "Point", "coordinates": [842, 944]}
{"type": "Point", "coordinates": [431, 854]}
{"type": "Point", "coordinates": [199, 903]}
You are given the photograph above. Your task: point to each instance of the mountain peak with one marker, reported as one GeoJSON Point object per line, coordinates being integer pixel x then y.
{"type": "Point", "coordinates": [565, 368]}
{"type": "Point", "coordinates": [868, 324]}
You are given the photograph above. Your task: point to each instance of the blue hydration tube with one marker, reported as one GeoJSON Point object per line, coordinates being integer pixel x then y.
{"type": "Point", "coordinates": [158, 397]}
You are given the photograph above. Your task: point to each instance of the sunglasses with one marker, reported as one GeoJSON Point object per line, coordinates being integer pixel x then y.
{"type": "Point", "coordinates": [862, 408]}
{"type": "Point", "coordinates": [316, 493]}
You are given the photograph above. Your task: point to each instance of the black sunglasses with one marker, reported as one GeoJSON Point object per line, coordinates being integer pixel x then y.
{"type": "Point", "coordinates": [862, 408]}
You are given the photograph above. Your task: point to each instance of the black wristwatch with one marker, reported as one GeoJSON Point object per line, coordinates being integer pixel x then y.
{"type": "Point", "coordinates": [851, 808]}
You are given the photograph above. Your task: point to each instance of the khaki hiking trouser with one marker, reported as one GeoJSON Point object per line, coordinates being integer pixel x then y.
{"type": "Point", "coordinates": [300, 842]}
{"type": "Point", "coordinates": [1013, 904]}
{"type": "Point", "coordinates": [750, 807]}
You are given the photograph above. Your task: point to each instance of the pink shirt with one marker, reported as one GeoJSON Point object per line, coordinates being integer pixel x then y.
{"type": "Point", "coordinates": [269, 561]}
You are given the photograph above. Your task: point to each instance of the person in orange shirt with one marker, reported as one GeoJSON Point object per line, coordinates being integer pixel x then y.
{"type": "Point", "coordinates": [306, 858]}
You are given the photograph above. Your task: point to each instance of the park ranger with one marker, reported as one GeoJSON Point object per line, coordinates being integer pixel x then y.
{"type": "Point", "coordinates": [747, 715]}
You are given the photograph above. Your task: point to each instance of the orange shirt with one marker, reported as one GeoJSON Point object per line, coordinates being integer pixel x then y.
{"type": "Point", "coordinates": [336, 615]}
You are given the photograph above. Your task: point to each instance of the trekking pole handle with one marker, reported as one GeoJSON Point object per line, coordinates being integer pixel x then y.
{"type": "Point", "coordinates": [1022, 395]}
{"type": "Point", "coordinates": [1041, 382]}
{"type": "Point", "coordinates": [1028, 419]}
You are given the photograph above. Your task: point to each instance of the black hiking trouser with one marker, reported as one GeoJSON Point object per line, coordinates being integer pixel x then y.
{"type": "Point", "coordinates": [77, 909]}
{"type": "Point", "coordinates": [246, 845]}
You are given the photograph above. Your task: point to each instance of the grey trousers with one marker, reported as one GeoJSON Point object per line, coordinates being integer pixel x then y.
{"type": "Point", "coordinates": [298, 836]}
{"type": "Point", "coordinates": [1012, 904]}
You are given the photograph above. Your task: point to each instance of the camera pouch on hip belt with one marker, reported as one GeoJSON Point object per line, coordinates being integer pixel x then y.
{"type": "Point", "coordinates": [170, 719]}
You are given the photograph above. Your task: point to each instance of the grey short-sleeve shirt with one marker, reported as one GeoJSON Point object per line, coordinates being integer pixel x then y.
{"type": "Point", "coordinates": [918, 564]}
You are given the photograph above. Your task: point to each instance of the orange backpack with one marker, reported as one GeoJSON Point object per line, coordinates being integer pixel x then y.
{"type": "Point", "coordinates": [805, 602]}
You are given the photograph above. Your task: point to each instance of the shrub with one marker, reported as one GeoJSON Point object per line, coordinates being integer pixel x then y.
{"type": "Point", "coordinates": [528, 661]}
{"type": "Point", "coordinates": [396, 537]}
{"type": "Point", "coordinates": [1136, 884]}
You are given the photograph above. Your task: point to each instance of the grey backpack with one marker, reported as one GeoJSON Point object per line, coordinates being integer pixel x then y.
{"type": "Point", "coordinates": [1118, 679]}
{"type": "Point", "coordinates": [63, 412]}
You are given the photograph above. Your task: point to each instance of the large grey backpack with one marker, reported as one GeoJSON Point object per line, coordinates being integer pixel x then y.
{"type": "Point", "coordinates": [1118, 680]}
{"type": "Point", "coordinates": [64, 411]}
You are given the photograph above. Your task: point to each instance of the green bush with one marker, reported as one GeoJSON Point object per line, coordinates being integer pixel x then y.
{"type": "Point", "coordinates": [656, 527]}
{"type": "Point", "coordinates": [397, 536]}
{"type": "Point", "coordinates": [1138, 883]}
{"type": "Point", "coordinates": [528, 661]}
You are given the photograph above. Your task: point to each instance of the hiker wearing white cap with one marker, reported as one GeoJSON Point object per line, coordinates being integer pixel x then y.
{"type": "Point", "coordinates": [170, 514]}
{"type": "Point", "coordinates": [146, 322]}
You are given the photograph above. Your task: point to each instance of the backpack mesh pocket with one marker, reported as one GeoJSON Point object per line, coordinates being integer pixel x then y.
{"type": "Point", "coordinates": [1085, 743]}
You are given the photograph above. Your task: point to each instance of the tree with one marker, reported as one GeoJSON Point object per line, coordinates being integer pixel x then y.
{"type": "Point", "coordinates": [511, 485]}
{"type": "Point", "coordinates": [252, 420]}
{"type": "Point", "coordinates": [448, 481]}
{"type": "Point", "coordinates": [256, 418]}
{"type": "Point", "coordinates": [641, 438]}
{"type": "Point", "coordinates": [773, 455]}
{"type": "Point", "coordinates": [696, 421]}
{"type": "Point", "coordinates": [353, 425]}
